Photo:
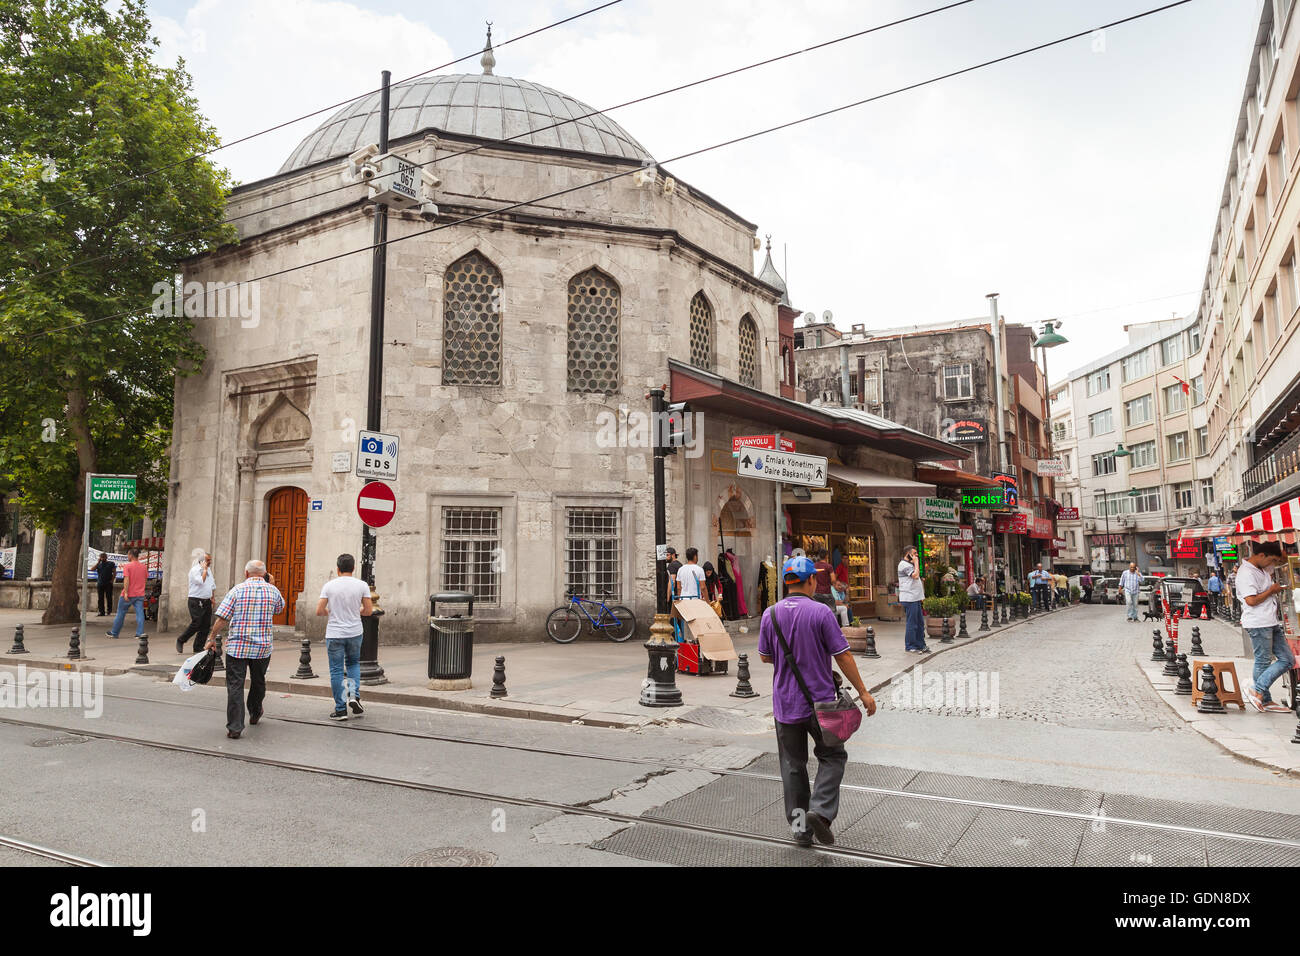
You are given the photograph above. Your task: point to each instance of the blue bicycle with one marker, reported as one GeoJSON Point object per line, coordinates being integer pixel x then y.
{"type": "Point", "coordinates": [564, 624]}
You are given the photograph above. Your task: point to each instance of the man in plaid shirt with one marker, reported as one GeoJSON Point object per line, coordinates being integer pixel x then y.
{"type": "Point", "coordinates": [248, 608]}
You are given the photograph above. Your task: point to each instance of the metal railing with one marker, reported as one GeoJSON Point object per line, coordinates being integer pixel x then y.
{"type": "Point", "coordinates": [1282, 462]}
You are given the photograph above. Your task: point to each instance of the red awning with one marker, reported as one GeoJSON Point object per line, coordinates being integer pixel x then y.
{"type": "Point", "coordinates": [1282, 517]}
{"type": "Point", "coordinates": [844, 426]}
{"type": "Point", "coordinates": [1213, 531]}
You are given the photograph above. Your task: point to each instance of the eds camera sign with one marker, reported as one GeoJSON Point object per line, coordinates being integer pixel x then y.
{"type": "Point", "coordinates": [377, 456]}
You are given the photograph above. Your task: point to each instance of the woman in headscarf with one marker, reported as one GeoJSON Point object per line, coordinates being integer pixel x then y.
{"type": "Point", "coordinates": [713, 587]}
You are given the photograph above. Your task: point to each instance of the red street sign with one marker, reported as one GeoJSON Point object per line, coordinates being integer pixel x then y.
{"type": "Point", "coordinates": [376, 504]}
{"type": "Point", "coordinates": [760, 441]}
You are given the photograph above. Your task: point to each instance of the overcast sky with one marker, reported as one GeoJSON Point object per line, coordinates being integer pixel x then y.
{"type": "Point", "coordinates": [1081, 181]}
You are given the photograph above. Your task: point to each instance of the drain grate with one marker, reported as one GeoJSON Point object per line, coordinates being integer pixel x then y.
{"type": "Point", "coordinates": [59, 741]}
{"type": "Point", "coordinates": [451, 856]}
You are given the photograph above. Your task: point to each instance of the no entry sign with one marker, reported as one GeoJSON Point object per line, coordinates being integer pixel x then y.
{"type": "Point", "coordinates": [376, 504]}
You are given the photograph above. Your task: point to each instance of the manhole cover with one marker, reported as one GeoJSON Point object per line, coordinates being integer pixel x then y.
{"type": "Point", "coordinates": [451, 856]}
{"type": "Point", "coordinates": [59, 741]}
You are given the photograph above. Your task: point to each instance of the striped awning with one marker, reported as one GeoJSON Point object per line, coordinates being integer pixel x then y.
{"type": "Point", "coordinates": [1279, 518]}
{"type": "Point", "coordinates": [1213, 531]}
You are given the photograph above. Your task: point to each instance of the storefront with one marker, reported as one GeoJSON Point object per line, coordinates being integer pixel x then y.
{"type": "Point", "coordinates": [1109, 553]}
{"type": "Point", "coordinates": [842, 523]}
{"type": "Point", "coordinates": [937, 524]}
{"type": "Point", "coordinates": [1014, 526]}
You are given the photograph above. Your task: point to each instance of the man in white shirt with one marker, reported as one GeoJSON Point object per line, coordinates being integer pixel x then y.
{"type": "Point", "coordinates": [1259, 616]}
{"type": "Point", "coordinates": [690, 576]}
{"type": "Point", "coordinates": [200, 602]}
{"type": "Point", "coordinates": [911, 592]}
{"type": "Point", "coordinates": [345, 600]}
{"type": "Point", "coordinates": [1129, 582]}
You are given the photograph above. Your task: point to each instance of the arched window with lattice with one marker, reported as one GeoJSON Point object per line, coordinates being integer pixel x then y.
{"type": "Point", "coordinates": [701, 332]}
{"type": "Point", "coordinates": [471, 322]}
{"type": "Point", "coordinates": [594, 307]}
{"type": "Point", "coordinates": [748, 351]}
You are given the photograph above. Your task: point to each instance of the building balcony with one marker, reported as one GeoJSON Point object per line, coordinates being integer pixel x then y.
{"type": "Point", "coordinates": [1277, 475]}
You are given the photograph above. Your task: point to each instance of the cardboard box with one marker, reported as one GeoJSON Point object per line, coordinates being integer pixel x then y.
{"type": "Point", "coordinates": [705, 628]}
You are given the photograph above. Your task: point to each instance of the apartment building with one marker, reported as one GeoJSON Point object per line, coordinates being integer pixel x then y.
{"type": "Point", "coordinates": [1132, 423]}
{"type": "Point", "coordinates": [1250, 299]}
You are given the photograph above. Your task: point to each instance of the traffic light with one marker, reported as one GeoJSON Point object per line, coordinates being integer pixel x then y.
{"type": "Point", "coordinates": [677, 419]}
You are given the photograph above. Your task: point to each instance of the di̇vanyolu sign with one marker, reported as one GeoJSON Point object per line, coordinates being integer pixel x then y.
{"type": "Point", "coordinates": [105, 490]}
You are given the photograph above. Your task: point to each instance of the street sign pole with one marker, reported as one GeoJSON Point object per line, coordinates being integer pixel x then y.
{"type": "Point", "coordinates": [778, 555]}
{"type": "Point", "coordinates": [85, 571]}
{"type": "Point", "coordinates": [660, 687]}
{"type": "Point", "coordinates": [371, 672]}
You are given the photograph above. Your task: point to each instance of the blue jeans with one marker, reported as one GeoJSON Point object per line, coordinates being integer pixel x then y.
{"type": "Point", "coordinates": [137, 603]}
{"type": "Point", "coordinates": [914, 640]}
{"type": "Point", "coordinates": [344, 655]}
{"type": "Point", "coordinates": [1131, 599]}
{"type": "Point", "coordinates": [1269, 642]}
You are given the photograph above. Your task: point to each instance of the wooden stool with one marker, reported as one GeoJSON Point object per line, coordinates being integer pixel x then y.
{"type": "Point", "coordinates": [1220, 668]}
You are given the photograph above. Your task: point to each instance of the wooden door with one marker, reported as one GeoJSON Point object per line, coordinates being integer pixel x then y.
{"type": "Point", "coordinates": [286, 546]}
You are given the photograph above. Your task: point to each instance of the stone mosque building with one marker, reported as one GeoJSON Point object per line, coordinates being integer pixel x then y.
{"type": "Point", "coordinates": [508, 342]}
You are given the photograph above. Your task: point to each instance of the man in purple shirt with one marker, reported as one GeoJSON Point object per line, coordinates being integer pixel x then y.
{"type": "Point", "coordinates": [814, 637]}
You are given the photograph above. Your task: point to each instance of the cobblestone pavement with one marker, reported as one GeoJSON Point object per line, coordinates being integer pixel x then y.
{"type": "Point", "coordinates": [1072, 668]}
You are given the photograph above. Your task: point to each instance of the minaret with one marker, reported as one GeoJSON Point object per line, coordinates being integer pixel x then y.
{"type": "Point", "coordinates": [488, 59]}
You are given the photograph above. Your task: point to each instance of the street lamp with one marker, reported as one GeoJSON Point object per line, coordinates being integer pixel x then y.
{"type": "Point", "coordinates": [1048, 340]}
{"type": "Point", "coordinates": [1121, 451]}
{"type": "Point", "coordinates": [1050, 337]}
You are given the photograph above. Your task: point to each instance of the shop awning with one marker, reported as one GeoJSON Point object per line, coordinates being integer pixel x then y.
{"type": "Point", "coordinates": [873, 484]}
{"type": "Point", "coordinates": [950, 477]}
{"type": "Point", "coordinates": [1282, 517]}
{"type": "Point", "coordinates": [1213, 531]}
{"type": "Point", "coordinates": [844, 426]}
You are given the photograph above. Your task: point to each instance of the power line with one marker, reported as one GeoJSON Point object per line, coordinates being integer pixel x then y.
{"type": "Point", "coordinates": [688, 155]}
{"type": "Point", "coordinates": [641, 99]}
{"type": "Point", "coordinates": [299, 119]}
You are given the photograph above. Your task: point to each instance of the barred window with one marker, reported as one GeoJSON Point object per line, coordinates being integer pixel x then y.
{"type": "Point", "coordinates": [593, 332]}
{"type": "Point", "coordinates": [748, 351]}
{"type": "Point", "coordinates": [593, 551]}
{"type": "Point", "coordinates": [701, 333]}
{"type": "Point", "coordinates": [471, 553]}
{"type": "Point", "coordinates": [471, 322]}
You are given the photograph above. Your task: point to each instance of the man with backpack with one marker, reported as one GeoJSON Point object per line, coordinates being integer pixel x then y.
{"type": "Point", "coordinates": [800, 637]}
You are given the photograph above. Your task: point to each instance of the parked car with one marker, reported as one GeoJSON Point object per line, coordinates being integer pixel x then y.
{"type": "Point", "coordinates": [1109, 591]}
{"type": "Point", "coordinates": [1149, 583]}
{"type": "Point", "coordinates": [1180, 591]}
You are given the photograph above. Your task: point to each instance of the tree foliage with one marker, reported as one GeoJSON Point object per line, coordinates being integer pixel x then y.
{"type": "Point", "coordinates": [85, 109]}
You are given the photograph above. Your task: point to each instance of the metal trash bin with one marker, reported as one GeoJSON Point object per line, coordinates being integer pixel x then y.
{"type": "Point", "coordinates": [451, 637]}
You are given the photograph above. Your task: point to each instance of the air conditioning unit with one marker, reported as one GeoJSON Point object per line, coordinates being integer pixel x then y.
{"type": "Point", "coordinates": [1090, 525]}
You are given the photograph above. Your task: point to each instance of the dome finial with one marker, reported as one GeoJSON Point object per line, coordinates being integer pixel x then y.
{"type": "Point", "coordinates": [488, 59]}
{"type": "Point", "coordinates": [769, 242]}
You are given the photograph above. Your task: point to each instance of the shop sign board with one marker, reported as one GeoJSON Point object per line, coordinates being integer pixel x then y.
{"type": "Point", "coordinates": [964, 538]}
{"type": "Point", "coordinates": [1010, 488]}
{"type": "Point", "coordinates": [1227, 550]}
{"type": "Point", "coordinates": [1051, 468]}
{"type": "Point", "coordinates": [1017, 523]}
{"type": "Point", "coordinates": [937, 509]}
{"type": "Point", "coordinates": [983, 498]}
{"type": "Point", "coordinates": [1188, 549]}
{"type": "Point", "coordinates": [964, 430]}
{"type": "Point", "coordinates": [1040, 528]}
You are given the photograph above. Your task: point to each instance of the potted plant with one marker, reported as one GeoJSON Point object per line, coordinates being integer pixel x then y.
{"type": "Point", "coordinates": [1074, 593]}
{"type": "Point", "coordinates": [938, 610]}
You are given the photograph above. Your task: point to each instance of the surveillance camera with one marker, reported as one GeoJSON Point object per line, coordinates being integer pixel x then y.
{"type": "Point", "coordinates": [368, 171]}
{"type": "Point", "coordinates": [428, 211]}
{"type": "Point", "coordinates": [429, 180]}
{"type": "Point", "coordinates": [363, 154]}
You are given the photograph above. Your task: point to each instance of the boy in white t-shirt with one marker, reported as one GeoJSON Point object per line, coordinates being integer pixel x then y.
{"type": "Point", "coordinates": [345, 600]}
{"type": "Point", "coordinates": [690, 584]}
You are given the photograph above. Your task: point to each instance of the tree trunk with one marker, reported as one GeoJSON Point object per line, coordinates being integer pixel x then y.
{"type": "Point", "coordinates": [65, 595]}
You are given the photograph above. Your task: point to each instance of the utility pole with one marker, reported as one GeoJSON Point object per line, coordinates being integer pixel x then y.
{"type": "Point", "coordinates": [660, 687]}
{"type": "Point", "coordinates": [997, 391]}
{"type": "Point", "coordinates": [371, 672]}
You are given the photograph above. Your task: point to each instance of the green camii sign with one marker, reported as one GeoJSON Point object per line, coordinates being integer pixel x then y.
{"type": "Point", "coordinates": [982, 498]}
{"type": "Point", "coordinates": [105, 490]}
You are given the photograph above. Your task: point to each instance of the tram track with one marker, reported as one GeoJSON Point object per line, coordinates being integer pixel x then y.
{"type": "Point", "coordinates": [659, 764]}
{"type": "Point", "coordinates": [60, 856]}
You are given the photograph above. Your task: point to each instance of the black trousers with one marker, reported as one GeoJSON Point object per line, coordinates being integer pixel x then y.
{"type": "Point", "coordinates": [823, 798]}
{"type": "Point", "coordinates": [105, 597]}
{"type": "Point", "coordinates": [200, 623]}
{"type": "Point", "coordinates": [235, 669]}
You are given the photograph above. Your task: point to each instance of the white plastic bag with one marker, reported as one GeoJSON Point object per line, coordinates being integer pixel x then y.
{"type": "Point", "coordinates": [182, 678]}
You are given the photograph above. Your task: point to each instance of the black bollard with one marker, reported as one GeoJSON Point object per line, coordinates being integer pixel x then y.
{"type": "Point", "coordinates": [74, 645]}
{"type": "Point", "coordinates": [18, 647]}
{"type": "Point", "coordinates": [1184, 686]}
{"type": "Point", "coordinates": [743, 687]}
{"type": "Point", "coordinates": [945, 633]}
{"type": "Point", "coordinates": [1157, 653]}
{"type": "Point", "coordinates": [499, 678]}
{"type": "Point", "coordinates": [304, 671]}
{"type": "Point", "coordinates": [142, 650]}
{"type": "Point", "coordinates": [871, 644]}
{"type": "Point", "coordinates": [1197, 650]}
{"type": "Point", "coordinates": [1171, 660]}
{"type": "Point", "coordinates": [1209, 702]}
{"type": "Point", "coordinates": [963, 632]}
{"type": "Point", "coordinates": [1295, 738]}
{"type": "Point", "coordinates": [1004, 611]}
{"type": "Point", "coordinates": [984, 617]}
{"type": "Point", "coordinates": [220, 664]}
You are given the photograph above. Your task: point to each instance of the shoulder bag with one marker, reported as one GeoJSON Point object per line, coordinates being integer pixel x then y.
{"type": "Point", "coordinates": [837, 719]}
